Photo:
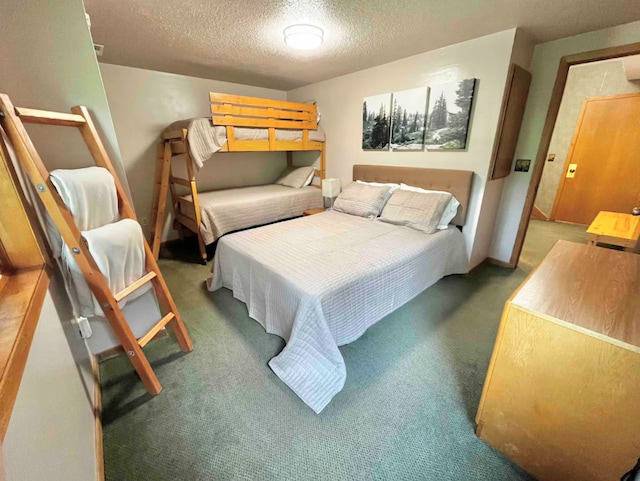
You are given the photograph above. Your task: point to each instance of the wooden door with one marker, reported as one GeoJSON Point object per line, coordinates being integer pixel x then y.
{"type": "Point", "coordinates": [605, 159]}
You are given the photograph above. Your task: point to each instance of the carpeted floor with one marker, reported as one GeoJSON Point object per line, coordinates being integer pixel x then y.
{"type": "Point", "coordinates": [406, 412]}
{"type": "Point", "coordinates": [542, 235]}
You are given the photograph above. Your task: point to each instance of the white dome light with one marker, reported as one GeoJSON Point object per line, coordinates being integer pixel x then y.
{"type": "Point", "coordinates": [303, 37]}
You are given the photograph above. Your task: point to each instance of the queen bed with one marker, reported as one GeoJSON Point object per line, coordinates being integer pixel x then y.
{"type": "Point", "coordinates": [321, 281]}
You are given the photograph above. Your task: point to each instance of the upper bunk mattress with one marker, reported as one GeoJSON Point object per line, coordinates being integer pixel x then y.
{"type": "Point", "coordinates": [321, 281]}
{"type": "Point", "coordinates": [229, 210]}
{"type": "Point", "coordinates": [205, 139]}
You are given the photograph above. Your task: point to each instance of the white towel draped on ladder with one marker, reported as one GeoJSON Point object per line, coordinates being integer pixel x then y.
{"type": "Point", "coordinates": [116, 245]}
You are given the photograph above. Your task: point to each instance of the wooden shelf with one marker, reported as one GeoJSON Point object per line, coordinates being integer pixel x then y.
{"type": "Point", "coordinates": [21, 297]}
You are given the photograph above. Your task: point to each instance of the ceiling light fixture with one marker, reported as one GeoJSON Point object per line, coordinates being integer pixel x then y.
{"type": "Point", "coordinates": [303, 37]}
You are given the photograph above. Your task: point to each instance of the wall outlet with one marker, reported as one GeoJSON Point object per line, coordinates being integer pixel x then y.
{"type": "Point", "coordinates": [144, 221]}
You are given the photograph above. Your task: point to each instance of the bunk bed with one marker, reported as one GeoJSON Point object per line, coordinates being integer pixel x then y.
{"type": "Point", "coordinates": [237, 124]}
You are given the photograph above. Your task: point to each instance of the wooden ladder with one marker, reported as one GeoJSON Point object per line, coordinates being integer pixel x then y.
{"type": "Point", "coordinates": [12, 120]}
{"type": "Point", "coordinates": [174, 143]}
{"type": "Point", "coordinates": [160, 190]}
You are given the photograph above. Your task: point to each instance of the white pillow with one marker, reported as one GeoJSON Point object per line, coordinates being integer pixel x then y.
{"type": "Point", "coordinates": [449, 212]}
{"type": "Point", "coordinates": [418, 210]}
{"type": "Point", "coordinates": [295, 177]}
{"type": "Point", "coordinates": [392, 187]}
{"type": "Point", "coordinates": [310, 178]}
{"type": "Point", "coordinates": [361, 199]}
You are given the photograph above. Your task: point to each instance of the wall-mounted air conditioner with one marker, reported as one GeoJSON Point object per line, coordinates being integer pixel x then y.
{"type": "Point", "coordinates": [632, 67]}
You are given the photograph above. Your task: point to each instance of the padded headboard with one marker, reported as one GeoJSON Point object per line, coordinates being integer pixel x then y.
{"type": "Point", "coordinates": [458, 182]}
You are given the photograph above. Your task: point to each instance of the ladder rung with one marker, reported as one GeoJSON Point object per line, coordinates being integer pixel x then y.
{"type": "Point", "coordinates": [173, 134]}
{"type": "Point", "coordinates": [178, 147]}
{"type": "Point", "coordinates": [178, 180]}
{"type": "Point", "coordinates": [51, 118]}
{"type": "Point", "coordinates": [136, 285]}
{"type": "Point", "coordinates": [144, 340]}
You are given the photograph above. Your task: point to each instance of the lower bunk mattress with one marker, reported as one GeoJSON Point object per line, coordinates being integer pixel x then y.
{"type": "Point", "coordinates": [229, 210]}
{"type": "Point", "coordinates": [321, 281]}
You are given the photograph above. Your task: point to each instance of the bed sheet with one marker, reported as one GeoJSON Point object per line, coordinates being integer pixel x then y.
{"type": "Point", "coordinates": [321, 281]}
{"type": "Point", "coordinates": [205, 139]}
{"type": "Point", "coordinates": [230, 210]}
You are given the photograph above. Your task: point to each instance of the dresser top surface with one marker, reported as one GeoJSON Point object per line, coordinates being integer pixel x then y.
{"type": "Point", "coordinates": [591, 287]}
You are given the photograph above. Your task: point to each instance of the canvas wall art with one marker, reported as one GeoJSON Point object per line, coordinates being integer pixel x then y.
{"type": "Point", "coordinates": [408, 119]}
{"type": "Point", "coordinates": [376, 122]}
{"type": "Point", "coordinates": [449, 114]}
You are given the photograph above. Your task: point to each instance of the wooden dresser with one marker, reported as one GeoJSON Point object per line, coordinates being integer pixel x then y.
{"type": "Point", "coordinates": [562, 393]}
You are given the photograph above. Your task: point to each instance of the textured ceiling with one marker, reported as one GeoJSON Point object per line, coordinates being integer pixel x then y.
{"type": "Point", "coordinates": [241, 40]}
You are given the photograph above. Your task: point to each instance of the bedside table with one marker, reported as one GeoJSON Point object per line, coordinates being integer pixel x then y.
{"type": "Point", "coordinates": [615, 228]}
{"type": "Point", "coordinates": [312, 211]}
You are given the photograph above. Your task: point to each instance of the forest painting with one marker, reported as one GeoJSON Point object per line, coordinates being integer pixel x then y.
{"type": "Point", "coordinates": [449, 114]}
{"type": "Point", "coordinates": [376, 122]}
{"type": "Point", "coordinates": [408, 117]}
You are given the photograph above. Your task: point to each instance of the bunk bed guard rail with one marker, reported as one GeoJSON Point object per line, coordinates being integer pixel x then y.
{"type": "Point", "coordinates": [253, 112]}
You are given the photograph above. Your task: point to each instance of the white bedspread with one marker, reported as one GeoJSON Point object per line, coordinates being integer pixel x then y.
{"type": "Point", "coordinates": [321, 281]}
{"type": "Point", "coordinates": [229, 210]}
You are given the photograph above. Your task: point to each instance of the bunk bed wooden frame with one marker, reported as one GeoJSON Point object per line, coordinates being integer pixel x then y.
{"type": "Point", "coordinates": [230, 111]}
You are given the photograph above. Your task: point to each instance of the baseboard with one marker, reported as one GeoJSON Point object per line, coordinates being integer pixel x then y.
{"type": "Point", "coordinates": [538, 214]}
{"type": "Point", "coordinates": [492, 261]}
{"type": "Point", "coordinates": [496, 262]}
{"type": "Point", "coordinates": [97, 413]}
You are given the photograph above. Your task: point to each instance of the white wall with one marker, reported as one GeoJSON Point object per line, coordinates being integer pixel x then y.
{"type": "Point", "coordinates": [48, 63]}
{"type": "Point", "coordinates": [340, 104]}
{"type": "Point", "coordinates": [544, 68]}
{"type": "Point", "coordinates": [144, 102]}
{"type": "Point", "coordinates": [521, 54]}
{"type": "Point", "coordinates": [51, 434]}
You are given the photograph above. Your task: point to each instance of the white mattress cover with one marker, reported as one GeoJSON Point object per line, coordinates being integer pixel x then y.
{"type": "Point", "coordinates": [205, 139]}
{"type": "Point", "coordinates": [321, 281]}
{"type": "Point", "coordinates": [244, 133]}
{"type": "Point", "coordinates": [229, 210]}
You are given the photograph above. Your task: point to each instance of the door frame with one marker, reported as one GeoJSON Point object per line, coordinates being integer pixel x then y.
{"type": "Point", "coordinates": [574, 139]}
{"type": "Point", "coordinates": [549, 125]}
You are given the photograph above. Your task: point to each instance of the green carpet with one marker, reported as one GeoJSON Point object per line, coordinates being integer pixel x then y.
{"type": "Point", "coordinates": [541, 235]}
{"type": "Point", "coordinates": [406, 412]}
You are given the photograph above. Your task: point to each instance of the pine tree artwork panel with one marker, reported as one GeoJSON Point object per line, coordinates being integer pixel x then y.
{"type": "Point", "coordinates": [449, 115]}
{"type": "Point", "coordinates": [408, 119]}
{"type": "Point", "coordinates": [376, 122]}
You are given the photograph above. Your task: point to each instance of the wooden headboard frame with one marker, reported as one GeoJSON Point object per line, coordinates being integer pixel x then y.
{"type": "Point", "coordinates": [458, 182]}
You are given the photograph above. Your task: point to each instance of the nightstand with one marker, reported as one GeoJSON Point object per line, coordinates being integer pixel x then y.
{"type": "Point", "coordinates": [616, 229]}
{"type": "Point", "coordinates": [312, 211]}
